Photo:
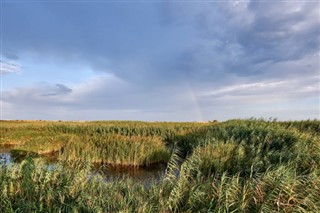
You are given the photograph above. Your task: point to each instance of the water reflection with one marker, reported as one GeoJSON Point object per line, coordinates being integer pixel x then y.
{"type": "Point", "coordinates": [150, 174]}
{"type": "Point", "coordinates": [146, 175]}
{"type": "Point", "coordinates": [5, 158]}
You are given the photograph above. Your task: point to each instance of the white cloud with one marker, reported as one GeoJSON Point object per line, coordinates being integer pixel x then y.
{"type": "Point", "coordinates": [246, 88]}
{"type": "Point", "coordinates": [7, 67]}
{"type": "Point", "coordinates": [268, 91]}
{"type": "Point", "coordinates": [104, 97]}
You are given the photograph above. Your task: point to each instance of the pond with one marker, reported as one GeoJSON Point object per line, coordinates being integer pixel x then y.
{"type": "Point", "coordinates": [146, 175]}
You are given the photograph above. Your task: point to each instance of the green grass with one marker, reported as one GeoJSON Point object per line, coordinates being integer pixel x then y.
{"type": "Point", "coordinates": [121, 143]}
{"type": "Point", "coordinates": [234, 166]}
{"type": "Point", "coordinates": [117, 150]}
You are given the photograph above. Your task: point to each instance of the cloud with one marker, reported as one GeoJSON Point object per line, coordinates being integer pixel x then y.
{"type": "Point", "coordinates": [107, 94]}
{"type": "Point", "coordinates": [199, 41]}
{"type": "Point", "coordinates": [247, 37]}
{"type": "Point", "coordinates": [38, 95]}
{"type": "Point", "coordinates": [7, 67]}
{"type": "Point", "coordinates": [169, 60]}
{"type": "Point", "coordinates": [59, 89]}
{"type": "Point", "coordinates": [108, 97]}
{"type": "Point", "coordinates": [271, 91]}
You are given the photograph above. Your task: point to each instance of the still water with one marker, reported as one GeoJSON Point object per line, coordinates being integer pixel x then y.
{"type": "Point", "coordinates": [146, 175]}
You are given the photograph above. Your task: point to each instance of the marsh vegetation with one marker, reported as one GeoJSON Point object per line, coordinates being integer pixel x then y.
{"type": "Point", "coordinates": [233, 166]}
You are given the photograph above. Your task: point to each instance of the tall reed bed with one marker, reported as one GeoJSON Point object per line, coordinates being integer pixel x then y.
{"type": "Point", "coordinates": [117, 150]}
{"type": "Point", "coordinates": [275, 190]}
{"type": "Point", "coordinates": [70, 188]}
{"type": "Point", "coordinates": [259, 143]}
{"type": "Point", "coordinates": [308, 126]}
{"type": "Point", "coordinates": [234, 166]}
{"type": "Point", "coordinates": [121, 143]}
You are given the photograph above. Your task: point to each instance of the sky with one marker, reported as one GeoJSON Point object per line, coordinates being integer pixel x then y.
{"type": "Point", "coordinates": [160, 60]}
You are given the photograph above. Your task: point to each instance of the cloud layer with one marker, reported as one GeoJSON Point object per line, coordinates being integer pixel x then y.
{"type": "Point", "coordinates": [165, 61]}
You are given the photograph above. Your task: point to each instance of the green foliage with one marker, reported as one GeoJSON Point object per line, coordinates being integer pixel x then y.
{"type": "Point", "coordinates": [117, 150]}
{"type": "Point", "coordinates": [123, 143]}
{"type": "Point", "coordinates": [234, 166]}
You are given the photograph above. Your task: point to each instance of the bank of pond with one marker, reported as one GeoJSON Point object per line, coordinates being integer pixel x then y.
{"type": "Point", "coordinates": [111, 166]}
{"type": "Point", "coordinates": [145, 174]}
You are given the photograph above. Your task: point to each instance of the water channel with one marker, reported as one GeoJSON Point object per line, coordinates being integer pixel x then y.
{"type": "Point", "coordinates": [145, 175]}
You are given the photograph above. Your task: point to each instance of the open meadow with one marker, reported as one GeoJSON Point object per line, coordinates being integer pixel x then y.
{"type": "Point", "coordinates": [233, 166]}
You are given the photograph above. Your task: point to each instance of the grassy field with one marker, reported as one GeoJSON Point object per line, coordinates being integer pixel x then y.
{"type": "Point", "coordinates": [232, 166]}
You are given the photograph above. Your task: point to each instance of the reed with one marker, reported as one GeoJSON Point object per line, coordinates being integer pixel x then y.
{"type": "Point", "coordinates": [118, 150]}
{"type": "Point", "coordinates": [234, 166]}
{"type": "Point", "coordinates": [120, 143]}
{"type": "Point", "coordinates": [33, 188]}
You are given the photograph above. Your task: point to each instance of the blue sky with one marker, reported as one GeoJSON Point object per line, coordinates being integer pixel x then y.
{"type": "Point", "coordinates": [160, 60]}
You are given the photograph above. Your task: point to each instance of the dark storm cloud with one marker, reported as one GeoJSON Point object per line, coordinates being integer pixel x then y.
{"type": "Point", "coordinates": [283, 31]}
{"type": "Point", "coordinates": [245, 38]}
{"type": "Point", "coordinates": [202, 41]}
{"type": "Point", "coordinates": [169, 57]}
{"type": "Point", "coordinates": [121, 38]}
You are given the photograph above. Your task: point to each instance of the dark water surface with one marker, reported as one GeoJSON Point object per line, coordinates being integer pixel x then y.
{"type": "Point", "coordinates": [146, 175]}
{"type": "Point", "coordinates": [5, 157]}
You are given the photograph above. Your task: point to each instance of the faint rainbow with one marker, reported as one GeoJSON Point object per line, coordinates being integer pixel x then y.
{"type": "Point", "coordinates": [195, 100]}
